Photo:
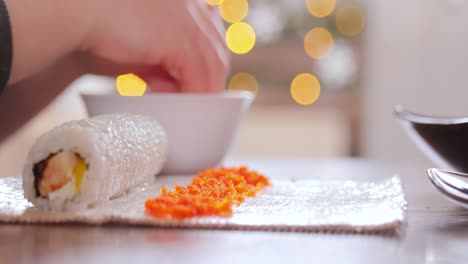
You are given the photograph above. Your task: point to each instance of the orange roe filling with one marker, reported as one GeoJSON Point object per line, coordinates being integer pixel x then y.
{"type": "Point", "coordinates": [212, 192]}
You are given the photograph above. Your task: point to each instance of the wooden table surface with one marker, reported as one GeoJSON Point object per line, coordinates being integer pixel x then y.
{"type": "Point", "coordinates": [436, 231]}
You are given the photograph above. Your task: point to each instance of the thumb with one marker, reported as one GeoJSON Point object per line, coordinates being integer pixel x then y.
{"type": "Point", "coordinates": [159, 80]}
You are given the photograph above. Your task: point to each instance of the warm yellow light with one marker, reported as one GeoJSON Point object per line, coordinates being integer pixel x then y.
{"type": "Point", "coordinates": [321, 8]}
{"type": "Point", "coordinates": [214, 2]}
{"type": "Point", "coordinates": [350, 20]}
{"type": "Point", "coordinates": [130, 85]}
{"type": "Point", "coordinates": [234, 11]}
{"type": "Point", "coordinates": [318, 43]}
{"type": "Point", "coordinates": [240, 38]}
{"type": "Point", "coordinates": [305, 89]}
{"type": "Point", "coordinates": [243, 81]}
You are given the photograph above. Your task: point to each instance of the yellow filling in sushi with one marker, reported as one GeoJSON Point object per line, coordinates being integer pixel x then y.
{"type": "Point", "coordinates": [78, 172]}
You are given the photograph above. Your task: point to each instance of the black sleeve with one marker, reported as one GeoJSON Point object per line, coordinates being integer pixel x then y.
{"type": "Point", "coordinates": [6, 46]}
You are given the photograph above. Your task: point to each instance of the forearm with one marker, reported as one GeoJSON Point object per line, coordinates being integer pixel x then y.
{"type": "Point", "coordinates": [6, 49]}
{"type": "Point", "coordinates": [23, 100]}
{"type": "Point", "coordinates": [43, 32]}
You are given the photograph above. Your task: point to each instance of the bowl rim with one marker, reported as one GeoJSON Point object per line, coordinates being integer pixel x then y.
{"type": "Point", "coordinates": [409, 116]}
{"type": "Point", "coordinates": [229, 95]}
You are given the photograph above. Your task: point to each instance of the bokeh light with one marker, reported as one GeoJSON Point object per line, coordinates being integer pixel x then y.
{"type": "Point", "coordinates": [350, 20]}
{"type": "Point", "coordinates": [305, 89]}
{"type": "Point", "coordinates": [214, 2]}
{"type": "Point", "coordinates": [234, 11]}
{"type": "Point", "coordinates": [243, 81]}
{"type": "Point", "coordinates": [318, 43]}
{"type": "Point", "coordinates": [240, 38]}
{"type": "Point", "coordinates": [130, 85]}
{"type": "Point", "coordinates": [321, 8]}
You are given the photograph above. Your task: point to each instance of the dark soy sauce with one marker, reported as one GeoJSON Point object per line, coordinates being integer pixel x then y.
{"type": "Point", "coordinates": [449, 141]}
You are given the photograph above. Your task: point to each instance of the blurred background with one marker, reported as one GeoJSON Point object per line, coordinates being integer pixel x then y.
{"type": "Point", "coordinates": [327, 75]}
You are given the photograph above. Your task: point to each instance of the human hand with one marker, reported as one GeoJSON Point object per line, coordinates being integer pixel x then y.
{"type": "Point", "coordinates": [173, 45]}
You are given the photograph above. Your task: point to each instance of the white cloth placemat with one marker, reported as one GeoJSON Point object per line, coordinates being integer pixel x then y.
{"type": "Point", "coordinates": [303, 205]}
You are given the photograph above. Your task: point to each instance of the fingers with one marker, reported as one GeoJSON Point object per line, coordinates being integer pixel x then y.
{"type": "Point", "coordinates": [189, 66]}
{"type": "Point", "coordinates": [206, 67]}
{"type": "Point", "coordinates": [159, 80]}
{"type": "Point", "coordinates": [189, 49]}
{"type": "Point", "coordinates": [214, 23]}
{"type": "Point", "coordinates": [161, 84]}
{"type": "Point", "coordinates": [100, 66]}
{"type": "Point", "coordinates": [156, 77]}
{"type": "Point", "coordinates": [212, 19]}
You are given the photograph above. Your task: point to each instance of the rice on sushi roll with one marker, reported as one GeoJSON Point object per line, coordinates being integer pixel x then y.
{"type": "Point", "coordinates": [80, 164]}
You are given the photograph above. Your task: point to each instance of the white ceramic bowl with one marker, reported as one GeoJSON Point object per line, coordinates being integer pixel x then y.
{"type": "Point", "coordinates": [200, 127]}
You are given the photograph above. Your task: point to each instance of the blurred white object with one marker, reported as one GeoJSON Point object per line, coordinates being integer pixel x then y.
{"type": "Point", "coordinates": [200, 127]}
{"type": "Point", "coordinates": [339, 68]}
{"type": "Point", "coordinates": [267, 20]}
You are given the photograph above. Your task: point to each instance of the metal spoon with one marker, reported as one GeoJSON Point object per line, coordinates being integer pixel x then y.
{"type": "Point", "coordinates": [449, 185]}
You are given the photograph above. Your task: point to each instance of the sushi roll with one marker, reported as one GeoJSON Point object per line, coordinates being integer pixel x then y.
{"type": "Point", "coordinates": [83, 163]}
